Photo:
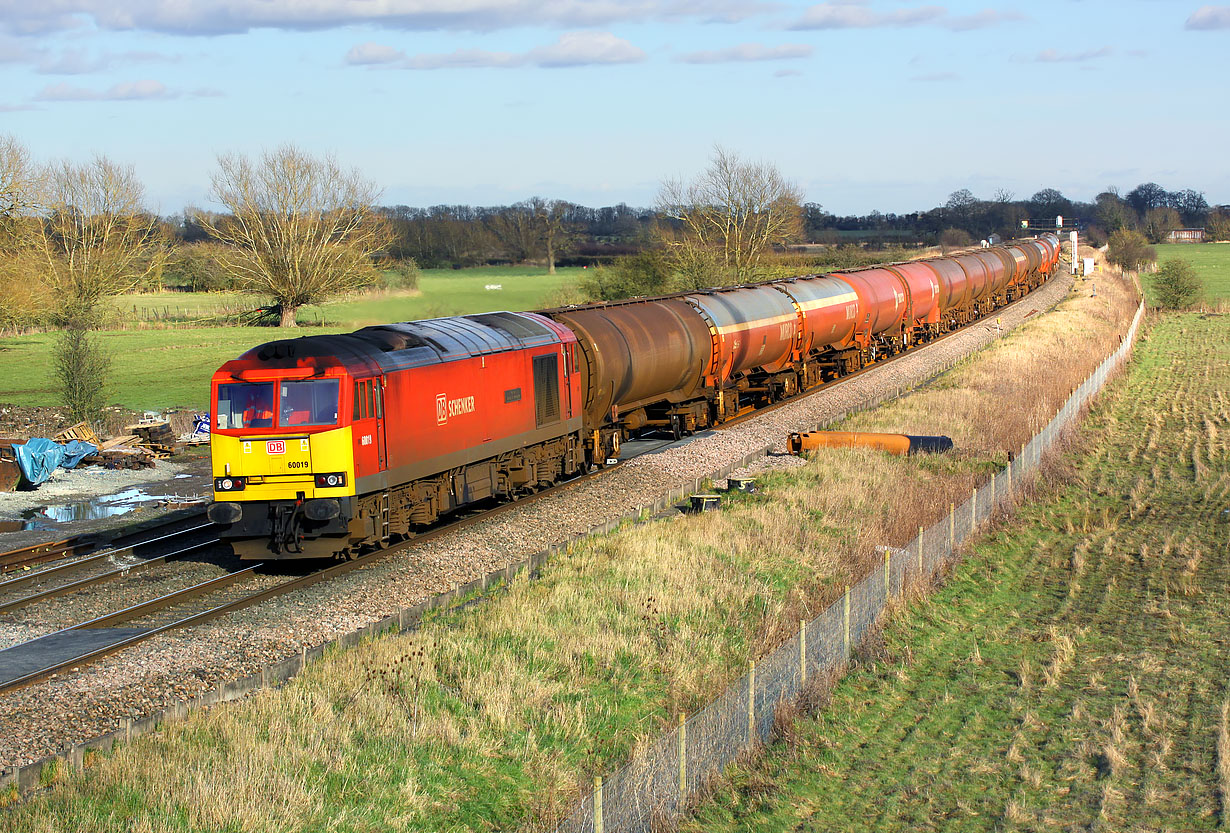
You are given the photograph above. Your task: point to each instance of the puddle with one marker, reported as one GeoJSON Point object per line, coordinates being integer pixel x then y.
{"type": "Point", "coordinates": [93, 509]}
{"type": "Point", "coordinates": [22, 526]}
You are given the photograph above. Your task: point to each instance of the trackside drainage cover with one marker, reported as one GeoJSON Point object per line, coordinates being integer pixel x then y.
{"type": "Point", "coordinates": [742, 484]}
{"type": "Point", "coordinates": [46, 651]}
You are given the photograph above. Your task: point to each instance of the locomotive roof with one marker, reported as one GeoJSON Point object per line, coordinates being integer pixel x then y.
{"type": "Point", "coordinates": [409, 344]}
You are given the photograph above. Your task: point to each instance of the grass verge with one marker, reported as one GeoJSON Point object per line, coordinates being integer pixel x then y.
{"type": "Point", "coordinates": [493, 717]}
{"type": "Point", "coordinates": [1072, 674]}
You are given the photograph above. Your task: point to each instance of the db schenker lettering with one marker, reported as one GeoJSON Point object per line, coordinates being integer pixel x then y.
{"type": "Point", "coordinates": [465, 405]}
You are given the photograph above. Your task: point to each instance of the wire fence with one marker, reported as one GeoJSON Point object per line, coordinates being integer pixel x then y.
{"type": "Point", "coordinates": [657, 784]}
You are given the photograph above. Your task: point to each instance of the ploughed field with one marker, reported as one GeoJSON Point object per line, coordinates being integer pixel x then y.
{"type": "Point", "coordinates": [1073, 673]}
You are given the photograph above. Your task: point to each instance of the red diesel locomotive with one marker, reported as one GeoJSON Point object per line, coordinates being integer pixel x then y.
{"type": "Point", "coordinates": [326, 444]}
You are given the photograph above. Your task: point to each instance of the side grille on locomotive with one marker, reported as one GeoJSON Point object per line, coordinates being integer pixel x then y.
{"type": "Point", "coordinates": [546, 389]}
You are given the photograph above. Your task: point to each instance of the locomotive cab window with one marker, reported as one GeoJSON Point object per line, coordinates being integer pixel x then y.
{"type": "Point", "coordinates": [308, 403]}
{"type": "Point", "coordinates": [245, 405]}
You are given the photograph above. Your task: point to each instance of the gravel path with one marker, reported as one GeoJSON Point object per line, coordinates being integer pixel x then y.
{"type": "Point", "coordinates": [36, 721]}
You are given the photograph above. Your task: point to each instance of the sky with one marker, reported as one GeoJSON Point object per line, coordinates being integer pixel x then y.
{"type": "Point", "coordinates": [886, 105]}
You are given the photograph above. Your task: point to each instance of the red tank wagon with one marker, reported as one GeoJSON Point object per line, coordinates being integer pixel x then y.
{"type": "Point", "coordinates": [324, 443]}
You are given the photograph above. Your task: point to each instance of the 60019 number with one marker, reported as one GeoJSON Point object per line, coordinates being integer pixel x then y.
{"type": "Point", "coordinates": [296, 464]}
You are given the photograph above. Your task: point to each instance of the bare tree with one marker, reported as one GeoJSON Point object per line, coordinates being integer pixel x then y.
{"type": "Point", "coordinates": [301, 228]}
{"type": "Point", "coordinates": [18, 188]}
{"type": "Point", "coordinates": [730, 214]}
{"type": "Point", "coordinates": [23, 294]}
{"type": "Point", "coordinates": [96, 238]}
{"type": "Point", "coordinates": [1159, 222]}
{"type": "Point", "coordinates": [551, 218]}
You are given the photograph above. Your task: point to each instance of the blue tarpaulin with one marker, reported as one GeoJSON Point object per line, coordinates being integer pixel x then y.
{"type": "Point", "coordinates": [74, 451]}
{"type": "Point", "coordinates": [39, 457]}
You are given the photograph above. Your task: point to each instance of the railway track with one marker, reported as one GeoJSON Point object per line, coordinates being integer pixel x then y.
{"type": "Point", "coordinates": [23, 558]}
{"type": "Point", "coordinates": [203, 602]}
{"type": "Point", "coordinates": [209, 600]}
{"type": "Point", "coordinates": [109, 564]}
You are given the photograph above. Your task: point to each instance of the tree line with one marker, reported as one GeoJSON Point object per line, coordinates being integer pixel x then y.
{"type": "Point", "coordinates": [297, 229]}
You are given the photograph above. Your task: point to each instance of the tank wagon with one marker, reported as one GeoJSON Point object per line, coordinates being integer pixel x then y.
{"type": "Point", "coordinates": [323, 445]}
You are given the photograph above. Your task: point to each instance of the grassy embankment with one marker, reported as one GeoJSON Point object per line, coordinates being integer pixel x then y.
{"type": "Point", "coordinates": [1073, 673]}
{"type": "Point", "coordinates": [168, 366]}
{"type": "Point", "coordinates": [491, 717]}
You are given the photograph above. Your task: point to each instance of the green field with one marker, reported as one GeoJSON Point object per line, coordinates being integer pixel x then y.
{"type": "Point", "coordinates": [440, 292]}
{"type": "Point", "coordinates": [166, 367]}
{"type": "Point", "coordinates": [1212, 262]}
{"type": "Point", "coordinates": [1073, 674]}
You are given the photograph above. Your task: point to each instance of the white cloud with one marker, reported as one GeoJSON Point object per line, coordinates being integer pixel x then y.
{"type": "Point", "coordinates": [838, 15]}
{"type": "Point", "coordinates": [464, 59]}
{"type": "Point", "coordinates": [1209, 17]}
{"type": "Point", "coordinates": [197, 17]}
{"type": "Point", "coordinates": [80, 62]}
{"type": "Point", "coordinates": [126, 91]}
{"type": "Point", "coordinates": [1054, 56]}
{"type": "Point", "coordinates": [748, 52]}
{"type": "Point", "coordinates": [13, 51]}
{"type": "Point", "coordinates": [373, 53]}
{"type": "Point", "coordinates": [858, 14]}
{"type": "Point", "coordinates": [984, 19]}
{"type": "Point", "coordinates": [573, 49]}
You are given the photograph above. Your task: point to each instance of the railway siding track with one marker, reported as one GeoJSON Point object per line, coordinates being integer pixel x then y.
{"type": "Point", "coordinates": [104, 565]}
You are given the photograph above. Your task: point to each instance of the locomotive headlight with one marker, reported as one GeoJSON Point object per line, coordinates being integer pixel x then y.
{"type": "Point", "coordinates": [331, 480]}
{"type": "Point", "coordinates": [228, 484]}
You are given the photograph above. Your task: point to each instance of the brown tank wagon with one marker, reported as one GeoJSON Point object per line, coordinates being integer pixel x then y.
{"type": "Point", "coordinates": [685, 362]}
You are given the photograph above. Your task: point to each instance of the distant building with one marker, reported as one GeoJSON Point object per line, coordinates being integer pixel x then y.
{"type": "Point", "coordinates": [1186, 235]}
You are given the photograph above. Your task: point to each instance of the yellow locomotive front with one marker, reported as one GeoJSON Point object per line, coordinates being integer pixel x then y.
{"type": "Point", "coordinates": [283, 458]}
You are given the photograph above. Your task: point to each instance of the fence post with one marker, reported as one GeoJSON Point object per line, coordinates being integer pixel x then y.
{"type": "Point", "coordinates": [598, 825]}
{"type": "Point", "coordinates": [802, 652]}
{"type": "Point", "coordinates": [992, 492]}
{"type": "Point", "coordinates": [1009, 493]}
{"type": "Point", "coordinates": [887, 582]}
{"type": "Point", "coordinates": [920, 566]}
{"type": "Point", "coordinates": [973, 511]}
{"type": "Point", "coordinates": [952, 528]}
{"type": "Point", "coordinates": [751, 702]}
{"type": "Point", "coordinates": [847, 620]}
{"type": "Point", "coordinates": [683, 760]}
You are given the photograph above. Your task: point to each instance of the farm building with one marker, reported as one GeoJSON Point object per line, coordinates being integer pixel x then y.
{"type": "Point", "coordinates": [1186, 235]}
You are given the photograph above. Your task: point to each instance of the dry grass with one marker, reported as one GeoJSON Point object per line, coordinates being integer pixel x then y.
{"type": "Point", "coordinates": [497, 716]}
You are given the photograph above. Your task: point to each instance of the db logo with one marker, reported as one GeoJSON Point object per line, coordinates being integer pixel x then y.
{"type": "Point", "coordinates": [275, 447]}
{"type": "Point", "coordinates": [441, 408]}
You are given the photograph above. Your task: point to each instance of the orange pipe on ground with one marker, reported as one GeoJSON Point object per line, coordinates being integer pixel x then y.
{"type": "Point", "coordinates": [900, 444]}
